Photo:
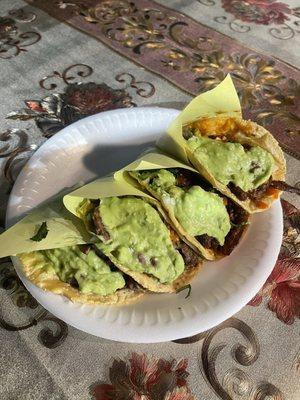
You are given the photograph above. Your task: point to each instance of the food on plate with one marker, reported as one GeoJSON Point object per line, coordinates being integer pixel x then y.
{"type": "Point", "coordinates": [239, 158]}
{"type": "Point", "coordinates": [136, 236]}
{"type": "Point", "coordinates": [148, 226]}
{"type": "Point", "coordinates": [208, 220]}
{"type": "Point", "coordinates": [82, 273]}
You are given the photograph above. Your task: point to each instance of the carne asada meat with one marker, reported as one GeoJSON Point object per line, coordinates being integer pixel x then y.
{"type": "Point", "coordinates": [236, 213]}
{"type": "Point", "coordinates": [187, 132]}
{"type": "Point", "coordinates": [186, 179]}
{"type": "Point", "coordinates": [280, 185]}
{"type": "Point", "coordinates": [85, 248]}
{"type": "Point", "coordinates": [270, 187]}
{"type": "Point", "coordinates": [208, 242]}
{"type": "Point", "coordinates": [73, 282]}
{"type": "Point", "coordinates": [238, 192]}
{"type": "Point", "coordinates": [260, 191]}
{"type": "Point", "coordinates": [231, 240]}
{"type": "Point", "coordinates": [99, 226]}
{"type": "Point", "coordinates": [132, 284]}
{"type": "Point", "coordinates": [254, 194]}
{"type": "Point", "coordinates": [189, 256]}
{"type": "Point", "coordinates": [238, 218]}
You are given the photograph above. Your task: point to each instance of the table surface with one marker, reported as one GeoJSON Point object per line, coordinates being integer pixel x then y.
{"type": "Point", "coordinates": [99, 55]}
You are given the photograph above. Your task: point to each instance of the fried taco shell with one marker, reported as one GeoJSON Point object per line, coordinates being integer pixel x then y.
{"type": "Point", "coordinates": [39, 268]}
{"type": "Point", "coordinates": [209, 221]}
{"type": "Point", "coordinates": [209, 139]}
{"type": "Point", "coordinates": [137, 237]}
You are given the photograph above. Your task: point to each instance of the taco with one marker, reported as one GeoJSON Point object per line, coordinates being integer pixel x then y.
{"type": "Point", "coordinates": [137, 237]}
{"type": "Point", "coordinates": [209, 221]}
{"type": "Point", "coordinates": [82, 273]}
{"type": "Point", "coordinates": [239, 158]}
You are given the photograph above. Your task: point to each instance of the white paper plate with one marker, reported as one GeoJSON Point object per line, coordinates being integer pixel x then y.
{"type": "Point", "coordinates": [97, 145]}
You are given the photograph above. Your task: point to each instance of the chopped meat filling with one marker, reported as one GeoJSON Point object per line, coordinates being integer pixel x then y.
{"type": "Point", "coordinates": [238, 218]}
{"type": "Point", "coordinates": [238, 192]}
{"type": "Point", "coordinates": [85, 248]}
{"type": "Point", "coordinates": [280, 185]}
{"type": "Point", "coordinates": [185, 179]}
{"type": "Point", "coordinates": [132, 284]}
{"type": "Point", "coordinates": [73, 282]}
{"type": "Point", "coordinates": [263, 190]}
{"type": "Point", "coordinates": [99, 226]}
{"type": "Point", "coordinates": [189, 256]}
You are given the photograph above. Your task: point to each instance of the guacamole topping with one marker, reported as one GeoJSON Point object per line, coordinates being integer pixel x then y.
{"type": "Point", "coordinates": [139, 239]}
{"type": "Point", "coordinates": [198, 211]}
{"type": "Point", "coordinates": [91, 272]}
{"type": "Point", "coordinates": [230, 162]}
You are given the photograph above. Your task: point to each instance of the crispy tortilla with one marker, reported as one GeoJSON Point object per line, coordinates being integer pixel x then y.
{"type": "Point", "coordinates": [33, 268]}
{"type": "Point", "coordinates": [207, 253]}
{"type": "Point", "coordinates": [151, 283]}
{"type": "Point", "coordinates": [244, 132]}
{"type": "Point", "coordinates": [147, 281]}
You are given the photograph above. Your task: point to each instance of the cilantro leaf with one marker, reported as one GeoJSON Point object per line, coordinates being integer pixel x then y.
{"type": "Point", "coordinates": [183, 288]}
{"type": "Point", "coordinates": [41, 233]}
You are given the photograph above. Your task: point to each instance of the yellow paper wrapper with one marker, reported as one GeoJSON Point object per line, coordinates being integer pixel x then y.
{"type": "Point", "coordinates": [109, 186]}
{"type": "Point", "coordinates": [64, 230]}
{"type": "Point", "coordinates": [153, 160]}
{"type": "Point", "coordinates": [222, 100]}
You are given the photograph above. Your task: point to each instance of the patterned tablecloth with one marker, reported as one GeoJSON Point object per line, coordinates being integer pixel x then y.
{"type": "Point", "coordinates": [127, 53]}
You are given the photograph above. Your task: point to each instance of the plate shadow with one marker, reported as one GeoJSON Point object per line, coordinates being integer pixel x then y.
{"type": "Point", "coordinates": [103, 160]}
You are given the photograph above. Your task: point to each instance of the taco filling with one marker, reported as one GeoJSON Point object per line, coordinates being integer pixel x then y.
{"type": "Point", "coordinates": [207, 216]}
{"type": "Point", "coordinates": [245, 168]}
{"type": "Point", "coordinates": [85, 271]}
{"type": "Point", "coordinates": [233, 163]}
{"type": "Point", "coordinates": [81, 273]}
{"type": "Point", "coordinates": [133, 232]}
{"type": "Point", "coordinates": [84, 268]}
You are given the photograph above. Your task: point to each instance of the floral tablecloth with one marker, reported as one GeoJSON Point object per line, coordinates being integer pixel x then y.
{"type": "Point", "coordinates": [63, 60]}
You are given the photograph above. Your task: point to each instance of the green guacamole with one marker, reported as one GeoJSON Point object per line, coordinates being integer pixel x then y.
{"type": "Point", "coordinates": [139, 239]}
{"type": "Point", "coordinates": [91, 272]}
{"type": "Point", "coordinates": [230, 162]}
{"type": "Point", "coordinates": [198, 211]}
